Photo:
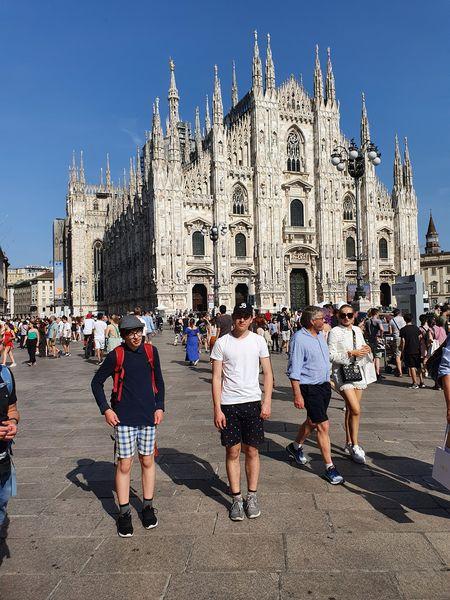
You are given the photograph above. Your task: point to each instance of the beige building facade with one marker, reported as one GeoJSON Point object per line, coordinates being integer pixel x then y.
{"type": "Point", "coordinates": [435, 268]}
{"type": "Point", "coordinates": [262, 174]}
{"type": "Point", "coordinates": [34, 296]}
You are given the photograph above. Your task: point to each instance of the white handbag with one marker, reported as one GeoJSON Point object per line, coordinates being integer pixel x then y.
{"type": "Point", "coordinates": [441, 466]}
{"type": "Point", "coordinates": [367, 367]}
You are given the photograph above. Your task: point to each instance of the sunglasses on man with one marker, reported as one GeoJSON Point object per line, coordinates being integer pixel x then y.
{"type": "Point", "coordinates": [348, 315]}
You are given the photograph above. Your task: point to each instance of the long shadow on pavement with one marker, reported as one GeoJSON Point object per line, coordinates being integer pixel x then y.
{"type": "Point", "coordinates": [4, 550]}
{"type": "Point", "coordinates": [193, 472]}
{"type": "Point", "coordinates": [384, 484]}
{"type": "Point", "coordinates": [98, 479]}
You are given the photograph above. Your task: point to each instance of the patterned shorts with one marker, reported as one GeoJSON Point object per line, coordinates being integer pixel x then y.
{"type": "Point", "coordinates": [128, 436]}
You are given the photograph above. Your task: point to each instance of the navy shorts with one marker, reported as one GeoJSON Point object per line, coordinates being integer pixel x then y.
{"type": "Point", "coordinates": [317, 398]}
{"type": "Point", "coordinates": [244, 424]}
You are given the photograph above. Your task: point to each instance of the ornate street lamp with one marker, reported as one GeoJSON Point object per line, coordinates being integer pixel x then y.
{"type": "Point", "coordinates": [354, 159]}
{"type": "Point", "coordinates": [80, 280]}
{"type": "Point", "coordinates": [214, 232]}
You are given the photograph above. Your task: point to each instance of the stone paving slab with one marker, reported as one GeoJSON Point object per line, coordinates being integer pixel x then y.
{"type": "Point", "coordinates": [384, 535]}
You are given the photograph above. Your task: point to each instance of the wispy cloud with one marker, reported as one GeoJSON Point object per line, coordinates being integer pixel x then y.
{"type": "Point", "coordinates": [134, 136]}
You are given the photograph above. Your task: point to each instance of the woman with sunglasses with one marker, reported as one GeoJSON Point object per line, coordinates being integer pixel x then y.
{"type": "Point", "coordinates": [346, 345]}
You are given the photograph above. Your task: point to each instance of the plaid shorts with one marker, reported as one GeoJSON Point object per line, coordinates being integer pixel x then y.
{"type": "Point", "coordinates": [127, 436]}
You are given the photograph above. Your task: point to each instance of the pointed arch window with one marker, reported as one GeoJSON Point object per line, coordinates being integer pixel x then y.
{"type": "Point", "coordinates": [240, 245]}
{"type": "Point", "coordinates": [198, 244]}
{"type": "Point", "coordinates": [349, 209]}
{"type": "Point", "coordinates": [297, 214]}
{"type": "Point", "coordinates": [295, 149]}
{"type": "Point", "coordinates": [98, 271]}
{"type": "Point", "coordinates": [239, 200]}
{"type": "Point", "coordinates": [383, 250]}
{"type": "Point", "coordinates": [350, 248]}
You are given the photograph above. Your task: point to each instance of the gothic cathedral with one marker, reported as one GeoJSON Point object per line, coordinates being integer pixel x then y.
{"type": "Point", "coordinates": [258, 181]}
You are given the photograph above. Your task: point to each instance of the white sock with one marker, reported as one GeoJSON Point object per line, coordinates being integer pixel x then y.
{"type": "Point", "coordinates": [297, 445]}
{"type": "Point", "coordinates": [328, 465]}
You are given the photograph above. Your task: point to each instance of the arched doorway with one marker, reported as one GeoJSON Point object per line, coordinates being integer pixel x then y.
{"type": "Point", "coordinates": [385, 294]}
{"type": "Point", "coordinates": [199, 298]}
{"type": "Point", "coordinates": [241, 293]}
{"type": "Point", "coordinates": [298, 286]}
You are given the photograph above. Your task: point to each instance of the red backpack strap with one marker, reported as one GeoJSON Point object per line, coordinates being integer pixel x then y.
{"type": "Point", "coordinates": [149, 352]}
{"type": "Point", "coordinates": [119, 373]}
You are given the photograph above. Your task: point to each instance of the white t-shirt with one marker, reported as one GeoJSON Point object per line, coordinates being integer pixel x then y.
{"type": "Point", "coordinates": [99, 329]}
{"type": "Point", "coordinates": [66, 330]}
{"type": "Point", "coordinates": [240, 366]}
{"type": "Point", "coordinates": [88, 326]}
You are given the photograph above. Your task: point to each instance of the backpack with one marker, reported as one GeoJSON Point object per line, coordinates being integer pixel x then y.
{"type": "Point", "coordinates": [5, 374]}
{"type": "Point", "coordinates": [119, 371]}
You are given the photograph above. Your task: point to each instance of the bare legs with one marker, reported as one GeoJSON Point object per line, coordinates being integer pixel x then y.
{"type": "Point", "coordinates": [233, 466]}
{"type": "Point", "coordinates": [323, 437]}
{"type": "Point", "coordinates": [123, 477]}
{"type": "Point", "coordinates": [352, 399]}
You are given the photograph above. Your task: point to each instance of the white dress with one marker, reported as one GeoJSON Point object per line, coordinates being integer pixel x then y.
{"type": "Point", "coordinates": [340, 341]}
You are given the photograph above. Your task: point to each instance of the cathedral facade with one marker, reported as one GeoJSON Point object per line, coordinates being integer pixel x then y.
{"type": "Point", "coordinates": [261, 174]}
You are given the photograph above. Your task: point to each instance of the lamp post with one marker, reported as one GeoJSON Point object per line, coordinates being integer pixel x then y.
{"type": "Point", "coordinates": [214, 232]}
{"type": "Point", "coordinates": [354, 159]}
{"type": "Point", "coordinates": [80, 280]}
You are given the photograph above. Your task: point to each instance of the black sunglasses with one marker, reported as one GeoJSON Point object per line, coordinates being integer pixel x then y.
{"type": "Point", "coordinates": [346, 315]}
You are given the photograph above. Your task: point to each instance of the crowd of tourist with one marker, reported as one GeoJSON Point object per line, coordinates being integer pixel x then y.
{"type": "Point", "coordinates": [327, 347]}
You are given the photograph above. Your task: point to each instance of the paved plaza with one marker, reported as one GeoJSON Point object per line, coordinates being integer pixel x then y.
{"type": "Point", "coordinates": [385, 534]}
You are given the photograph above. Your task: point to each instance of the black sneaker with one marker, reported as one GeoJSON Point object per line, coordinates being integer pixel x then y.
{"type": "Point", "coordinates": [149, 520]}
{"type": "Point", "coordinates": [124, 525]}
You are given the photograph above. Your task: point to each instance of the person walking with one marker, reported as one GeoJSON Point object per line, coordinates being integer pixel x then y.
{"type": "Point", "coordinates": [239, 414]}
{"type": "Point", "coordinates": [66, 335]}
{"type": "Point", "coordinates": [274, 331]}
{"type": "Point", "coordinates": [284, 322]}
{"type": "Point", "coordinates": [309, 372]}
{"type": "Point", "coordinates": [395, 324]}
{"type": "Point", "coordinates": [375, 338]}
{"type": "Point", "coordinates": [9, 419]}
{"type": "Point", "coordinates": [31, 343]}
{"type": "Point", "coordinates": [137, 407]}
{"type": "Point", "coordinates": [443, 380]}
{"type": "Point", "coordinates": [347, 347]}
{"type": "Point", "coordinates": [192, 339]}
{"type": "Point", "coordinates": [99, 331]}
{"type": "Point", "coordinates": [42, 344]}
{"type": "Point", "coordinates": [224, 322]}
{"type": "Point", "coordinates": [88, 335]}
{"type": "Point", "coordinates": [8, 344]}
{"type": "Point", "coordinates": [112, 334]}
{"type": "Point", "coordinates": [410, 347]}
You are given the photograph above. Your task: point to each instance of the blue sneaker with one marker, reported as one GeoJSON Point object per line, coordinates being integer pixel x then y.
{"type": "Point", "coordinates": [297, 455]}
{"type": "Point", "coordinates": [332, 476]}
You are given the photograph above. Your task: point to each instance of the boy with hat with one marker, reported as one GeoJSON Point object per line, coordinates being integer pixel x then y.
{"type": "Point", "coordinates": [238, 411]}
{"type": "Point", "coordinates": [134, 413]}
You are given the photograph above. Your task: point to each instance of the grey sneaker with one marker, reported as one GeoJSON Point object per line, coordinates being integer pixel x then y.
{"type": "Point", "coordinates": [252, 506]}
{"type": "Point", "coordinates": [237, 510]}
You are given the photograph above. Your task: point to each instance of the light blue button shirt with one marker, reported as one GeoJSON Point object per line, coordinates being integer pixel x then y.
{"type": "Point", "coordinates": [444, 365]}
{"type": "Point", "coordinates": [309, 359]}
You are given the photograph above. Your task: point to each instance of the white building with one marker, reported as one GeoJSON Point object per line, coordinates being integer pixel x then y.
{"type": "Point", "coordinates": [34, 297]}
{"type": "Point", "coordinates": [264, 170]}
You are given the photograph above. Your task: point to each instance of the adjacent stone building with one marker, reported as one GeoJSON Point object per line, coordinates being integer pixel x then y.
{"type": "Point", "coordinates": [262, 173]}
{"type": "Point", "coordinates": [4, 264]}
{"type": "Point", "coordinates": [435, 267]}
{"type": "Point", "coordinates": [34, 296]}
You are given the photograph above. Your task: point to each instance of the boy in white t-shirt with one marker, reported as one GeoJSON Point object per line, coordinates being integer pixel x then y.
{"type": "Point", "coordinates": [239, 413]}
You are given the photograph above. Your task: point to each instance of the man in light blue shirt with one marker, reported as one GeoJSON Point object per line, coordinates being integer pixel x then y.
{"type": "Point", "coordinates": [149, 325]}
{"type": "Point", "coordinates": [309, 372]}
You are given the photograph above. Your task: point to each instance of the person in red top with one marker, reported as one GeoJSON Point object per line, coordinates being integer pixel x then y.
{"type": "Point", "coordinates": [8, 345]}
{"type": "Point", "coordinates": [268, 316]}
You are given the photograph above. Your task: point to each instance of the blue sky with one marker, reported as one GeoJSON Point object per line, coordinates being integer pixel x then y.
{"type": "Point", "coordinates": [84, 74]}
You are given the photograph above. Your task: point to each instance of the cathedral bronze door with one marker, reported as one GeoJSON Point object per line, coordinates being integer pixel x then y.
{"type": "Point", "coordinates": [241, 293]}
{"type": "Point", "coordinates": [199, 298]}
{"type": "Point", "coordinates": [385, 294]}
{"type": "Point", "coordinates": [298, 286]}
